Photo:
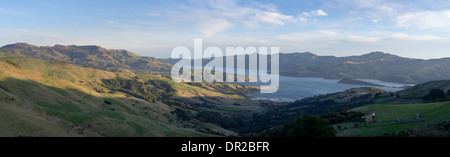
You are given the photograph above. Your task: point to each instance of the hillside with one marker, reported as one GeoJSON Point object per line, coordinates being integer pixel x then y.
{"type": "Point", "coordinates": [91, 56]}
{"type": "Point", "coordinates": [316, 105]}
{"type": "Point", "coordinates": [54, 98]}
{"type": "Point", "coordinates": [415, 93]}
{"type": "Point", "coordinates": [396, 114]}
{"type": "Point", "coordinates": [387, 115]}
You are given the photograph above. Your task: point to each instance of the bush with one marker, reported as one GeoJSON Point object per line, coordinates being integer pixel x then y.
{"type": "Point", "coordinates": [12, 63]}
{"type": "Point", "coordinates": [403, 133]}
{"type": "Point", "coordinates": [437, 93]}
{"type": "Point", "coordinates": [309, 126]}
{"type": "Point", "coordinates": [434, 95]}
{"type": "Point", "coordinates": [182, 114]}
{"type": "Point", "coordinates": [108, 102]}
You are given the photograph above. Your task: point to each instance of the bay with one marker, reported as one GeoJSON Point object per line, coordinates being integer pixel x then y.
{"type": "Point", "coordinates": [294, 88]}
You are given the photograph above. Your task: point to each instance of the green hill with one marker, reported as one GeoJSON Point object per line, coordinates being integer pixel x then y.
{"type": "Point", "coordinates": [396, 112]}
{"type": "Point", "coordinates": [388, 114]}
{"type": "Point", "coordinates": [54, 98]}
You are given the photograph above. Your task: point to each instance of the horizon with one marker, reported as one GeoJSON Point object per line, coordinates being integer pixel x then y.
{"type": "Point", "coordinates": [338, 28]}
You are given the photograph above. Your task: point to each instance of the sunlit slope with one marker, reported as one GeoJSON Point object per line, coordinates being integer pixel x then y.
{"type": "Point", "coordinates": [51, 98]}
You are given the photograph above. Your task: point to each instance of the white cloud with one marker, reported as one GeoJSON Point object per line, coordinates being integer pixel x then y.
{"type": "Point", "coordinates": [424, 19]}
{"type": "Point", "coordinates": [358, 38]}
{"type": "Point", "coordinates": [305, 16]}
{"type": "Point", "coordinates": [272, 18]}
{"type": "Point", "coordinates": [324, 36]}
{"type": "Point", "coordinates": [210, 27]}
{"type": "Point", "coordinates": [318, 13]}
{"type": "Point", "coordinates": [214, 16]}
{"type": "Point", "coordinates": [403, 36]}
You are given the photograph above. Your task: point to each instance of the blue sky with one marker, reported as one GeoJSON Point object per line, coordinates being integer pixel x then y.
{"type": "Point", "coordinates": [416, 28]}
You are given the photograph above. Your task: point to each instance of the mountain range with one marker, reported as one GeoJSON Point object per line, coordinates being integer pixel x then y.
{"type": "Point", "coordinates": [376, 65]}
{"type": "Point", "coordinates": [91, 56]}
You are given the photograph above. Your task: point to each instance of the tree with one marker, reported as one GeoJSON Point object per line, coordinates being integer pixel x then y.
{"type": "Point", "coordinates": [434, 94]}
{"type": "Point", "coordinates": [437, 93]}
{"type": "Point", "coordinates": [310, 126]}
{"type": "Point", "coordinates": [448, 92]}
{"type": "Point", "coordinates": [182, 115]}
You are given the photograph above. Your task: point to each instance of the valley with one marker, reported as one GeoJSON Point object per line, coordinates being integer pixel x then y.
{"type": "Point", "coordinates": [49, 91]}
{"type": "Point", "coordinates": [54, 98]}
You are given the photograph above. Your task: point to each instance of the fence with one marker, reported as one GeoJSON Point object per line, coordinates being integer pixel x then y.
{"type": "Point", "coordinates": [399, 120]}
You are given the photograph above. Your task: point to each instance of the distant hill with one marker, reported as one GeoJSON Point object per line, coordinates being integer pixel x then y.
{"type": "Point", "coordinates": [357, 82]}
{"type": "Point", "coordinates": [91, 56]}
{"type": "Point", "coordinates": [375, 65]}
{"type": "Point", "coordinates": [415, 93]}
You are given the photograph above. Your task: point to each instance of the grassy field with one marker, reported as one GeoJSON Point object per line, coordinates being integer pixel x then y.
{"type": "Point", "coordinates": [431, 112]}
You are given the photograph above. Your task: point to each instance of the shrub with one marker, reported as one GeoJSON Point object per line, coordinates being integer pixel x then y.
{"type": "Point", "coordinates": [12, 63]}
{"type": "Point", "coordinates": [403, 133]}
{"type": "Point", "coordinates": [108, 102]}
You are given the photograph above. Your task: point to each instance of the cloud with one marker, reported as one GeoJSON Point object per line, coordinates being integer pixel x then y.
{"type": "Point", "coordinates": [305, 16]}
{"type": "Point", "coordinates": [403, 36]}
{"type": "Point", "coordinates": [357, 38]}
{"type": "Point", "coordinates": [424, 19]}
{"type": "Point", "coordinates": [210, 17]}
{"type": "Point", "coordinates": [210, 27]}
{"type": "Point", "coordinates": [318, 13]}
{"type": "Point", "coordinates": [272, 18]}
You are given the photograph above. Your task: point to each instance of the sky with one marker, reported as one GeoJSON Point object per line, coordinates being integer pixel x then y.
{"type": "Point", "coordinates": [414, 29]}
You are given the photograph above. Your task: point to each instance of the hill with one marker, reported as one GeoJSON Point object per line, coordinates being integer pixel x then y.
{"type": "Point", "coordinates": [54, 98]}
{"type": "Point", "coordinates": [375, 65]}
{"type": "Point", "coordinates": [387, 123]}
{"type": "Point", "coordinates": [314, 106]}
{"type": "Point", "coordinates": [396, 114]}
{"type": "Point", "coordinates": [91, 56]}
{"type": "Point", "coordinates": [415, 93]}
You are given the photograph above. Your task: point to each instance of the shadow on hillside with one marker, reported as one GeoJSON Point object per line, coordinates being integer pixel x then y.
{"type": "Point", "coordinates": [115, 114]}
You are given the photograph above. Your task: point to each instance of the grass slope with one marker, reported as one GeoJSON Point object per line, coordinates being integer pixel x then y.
{"type": "Point", "coordinates": [431, 112]}
{"type": "Point", "coordinates": [52, 98]}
